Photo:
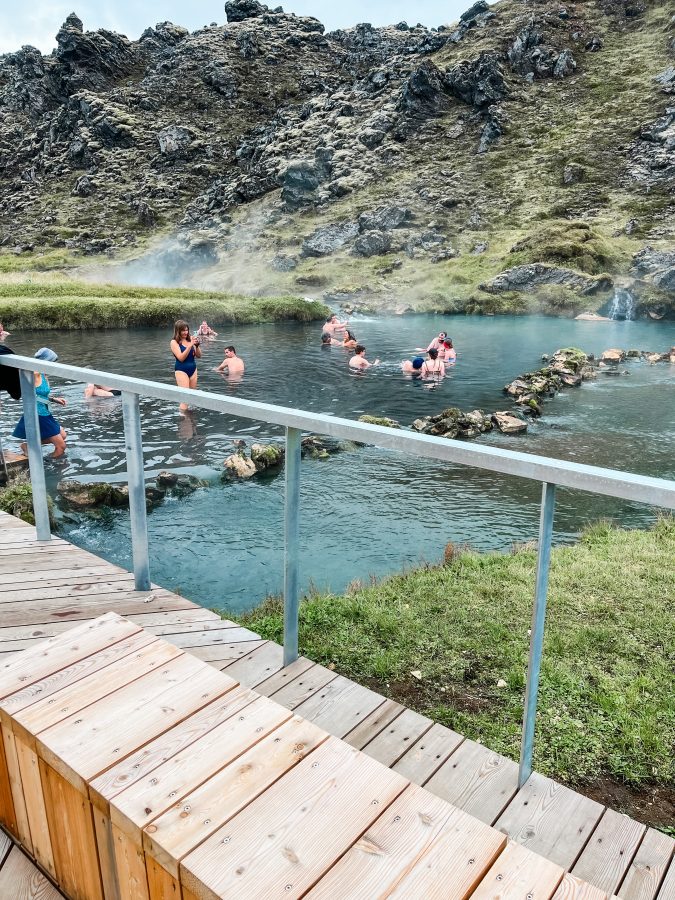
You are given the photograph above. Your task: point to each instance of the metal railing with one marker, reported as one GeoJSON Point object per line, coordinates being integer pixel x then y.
{"type": "Point", "coordinates": [550, 472]}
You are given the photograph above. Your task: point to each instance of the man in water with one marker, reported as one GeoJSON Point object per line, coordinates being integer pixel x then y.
{"type": "Point", "coordinates": [333, 325]}
{"type": "Point", "coordinates": [328, 341]}
{"type": "Point", "coordinates": [412, 366]}
{"type": "Point", "coordinates": [438, 342]}
{"type": "Point", "coordinates": [359, 361]}
{"type": "Point", "coordinates": [233, 363]}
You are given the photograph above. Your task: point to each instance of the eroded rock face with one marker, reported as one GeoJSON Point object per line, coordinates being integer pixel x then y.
{"type": "Point", "coordinates": [529, 277]}
{"type": "Point", "coordinates": [479, 83]}
{"type": "Point", "coordinates": [330, 238]}
{"type": "Point", "coordinates": [656, 266]}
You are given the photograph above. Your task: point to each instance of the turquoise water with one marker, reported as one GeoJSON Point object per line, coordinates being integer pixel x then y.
{"type": "Point", "coordinates": [364, 512]}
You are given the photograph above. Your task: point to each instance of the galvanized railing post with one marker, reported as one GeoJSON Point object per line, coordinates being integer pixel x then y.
{"type": "Point", "coordinates": [35, 460]}
{"type": "Point", "coordinates": [133, 445]}
{"type": "Point", "coordinates": [291, 541]}
{"type": "Point", "coordinates": [537, 631]}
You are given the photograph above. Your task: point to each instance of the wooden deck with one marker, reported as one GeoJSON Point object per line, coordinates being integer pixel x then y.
{"type": "Point", "coordinates": [48, 588]}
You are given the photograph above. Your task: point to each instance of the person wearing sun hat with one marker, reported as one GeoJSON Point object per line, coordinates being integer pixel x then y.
{"type": "Point", "coordinates": [50, 430]}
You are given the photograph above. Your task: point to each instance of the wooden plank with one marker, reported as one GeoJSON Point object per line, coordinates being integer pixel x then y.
{"type": "Point", "coordinates": [130, 865]}
{"type": "Point", "coordinates": [178, 831]}
{"type": "Point", "coordinates": [417, 832]}
{"type": "Point", "coordinates": [20, 880]}
{"type": "Point", "coordinates": [550, 819]}
{"type": "Point", "coordinates": [517, 874]}
{"type": "Point", "coordinates": [190, 640]}
{"type": "Point", "coordinates": [428, 754]}
{"type": "Point", "coordinates": [313, 814]}
{"type": "Point", "coordinates": [573, 888]}
{"type": "Point", "coordinates": [86, 608]}
{"type": "Point", "coordinates": [93, 739]}
{"type": "Point", "coordinates": [7, 814]}
{"type": "Point", "coordinates": [137, 806]}
{"type": "Point", "coordinates": [161, 885]}
{"type": "Point", "coordinates": [608, 854]}
{"type": "Point", "coordinates": [304, 686]}
{"type": "Point", "coordinates": [22, 832]}
{"type": "Point", "coordinates": [210, 622]}
{"type": "Point", "coordinates": [667, 891]}
{"type": "Point", "coordinates": [222, 655]}
{"type": "Point", "coordinates": [258, 665]}
{"type": "Point", "coordinates": [75, 856]}
{"type": "Point", "coordinates": [476, 780]}
{"type": "Point", "coordinates": [75, 587]}
{"type": "Point", "coordinates": [62, 650]}
{"type": "Point", "coordinates": [373, 724]}
{"type": "Point", "coordinates": [151, 755]}
{"type": "Point", "coordinates": [57, 682]}
{"type": "Point", "coordinates": [31, 783]}
{"type": "Point", "coordinates": [648, 868]}
{"type": "Point", "coordinates": [29, 565]}
{"type": "Point", "coordinates": [391, 743]}
{"type": "Point", "coordinates": [284, 676]}
{"type": "Point", "coordinates": [147, 654]}
{"type": "Point", "coordinates": [339, 706]}
{"type": "Point", "coordinates": [56, 577]}
{"type": "Point", "coordinates": [106, 854]}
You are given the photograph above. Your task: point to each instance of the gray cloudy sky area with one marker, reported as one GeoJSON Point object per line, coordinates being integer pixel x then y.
{"type": "Point", "coordinates": [37, 21]}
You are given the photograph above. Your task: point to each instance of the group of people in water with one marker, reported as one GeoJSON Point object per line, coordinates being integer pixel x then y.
{"type": "Point", "coordinates": [439, 354]}
{"type": "Point", "coordinates": [186, 349]}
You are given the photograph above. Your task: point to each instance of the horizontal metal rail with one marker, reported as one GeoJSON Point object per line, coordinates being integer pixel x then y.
{"type": "Point", "coordinates": [551, 473]}
{"type": "Point", "coordinates": [611, 483]}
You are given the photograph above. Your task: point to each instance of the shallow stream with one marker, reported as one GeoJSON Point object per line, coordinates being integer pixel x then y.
{"type": "Point", "coordinates": [366, 511]}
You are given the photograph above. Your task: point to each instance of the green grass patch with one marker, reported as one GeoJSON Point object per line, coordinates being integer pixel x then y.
{"type": "Point", "coordinates": [35, 262]}
{"type": "Point", "coordinates": [16, 498]}
{"type": "Point", "coordinates": [606, 703]}
{"type": "Point", "coordinates": [78, 305]}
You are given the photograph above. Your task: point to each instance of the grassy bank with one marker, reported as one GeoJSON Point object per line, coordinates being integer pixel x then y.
{"type": "Point", "coordinates": [452, 642]}
{"type": "Point", "coordinates": [79, 305]}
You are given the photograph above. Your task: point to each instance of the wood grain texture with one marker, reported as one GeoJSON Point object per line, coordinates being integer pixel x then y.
{"type": "Point", "coordinates": [428, 754]}
{"type": "Point", "coordinates": [667, 890]}
{"type": "Point", "coordinates": [394, 740]}
{"type": "Point", "coordinates": [370, 726]}
{"type": "Point", "coordinates": [56, 682]}
{"type": "Point", "coordinates": [643, 879]}
{"type": "Point", "coordinates": [573, 888]}
{"type": "Point", "coordinates": [303, 687]}
{"type": "Point", "coordinates": [130, 863]}
{"type": "Point", "coordinates": [311, 817]}
{"type": "Point", "coordinates": [166, 785]}
{"type": "Point", "coordinates": [63, 650]}
{"type": "Point", "coordinates": [284, 676]}
{"type": "Point", "coordinates": [550, 819]}
{"type": "Point", "coordinates": [87, 743]}
{"type": "Point", "coordinates": [339, 706]}
{"type": "Point", "coordinates": [22, 833]}
{"type": "Point", "coordinates": [31, 783]}
{"type": "Point", "coordinates": [417, 832]}
{"type": "Point", "coordinates": [221, 655]}
{"type": "Point", "coordinates": [258, 665]}
{"type": "Point", "coordinates": [20, 880]}
{"type": "Point", "coordinates": [606, 858]}
{"type": "Point", "coordinates": [476, 780]}
{"type": "Point", "coordinates": [74, 847]}
{"type": "Point", "coordinates": [518, 874]}
{"type": "Point", "coordinates": [178, 831]}
{"type": "Point", "coordinates": [146, 759]}
{"type": "Point", "coordinates": [161, 885]}
{"type": "Point", "coordinates": [7, 814]}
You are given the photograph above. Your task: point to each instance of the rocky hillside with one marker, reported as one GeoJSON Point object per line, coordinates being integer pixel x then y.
{"type": "Point", "coordinates": [522, 158]}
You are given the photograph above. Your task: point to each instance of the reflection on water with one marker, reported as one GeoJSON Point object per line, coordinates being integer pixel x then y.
{"type": "Point", "coordinates": [365, 511]}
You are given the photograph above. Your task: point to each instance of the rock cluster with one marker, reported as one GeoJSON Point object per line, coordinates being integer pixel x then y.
{"type": "Point", "coordinates": [566, 368]}
{"type": "Point", "coordinates": [263, 457]}
{"type": "Point", "coordinates": [84, 496]}
{"type": "Point", "coordinates": [455, 424]}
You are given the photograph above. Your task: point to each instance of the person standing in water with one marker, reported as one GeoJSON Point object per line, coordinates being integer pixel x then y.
{"type": "Point", "coordinates": [359, 361]}
{"type": "Point", "coordinates": [433, 367]}
{"type": "Point", "coordinates": [233, 363]}
{"type": "Point", "coordinates": [186, 351]}
{"type": "Point", "coordinates": [50, 430]}
{"type": "Point", "coordinates": [449, 354]}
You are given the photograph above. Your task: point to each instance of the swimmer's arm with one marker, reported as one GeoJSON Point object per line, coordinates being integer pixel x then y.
{"type": "Point", "coordinates": [222, 366]}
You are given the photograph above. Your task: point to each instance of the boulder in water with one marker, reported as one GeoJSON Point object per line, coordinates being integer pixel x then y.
{"type": "Point", "coordinates": [81, 495]}
{"type": "Point", "coordinates": [238, 465]}
{"type": "Point", "coordinates": [613, 356]}
{"type": "Point", "coordinates": [267, 456]}
{"type": "Point", "coordinates": [380, 420]}
{"type": "Point", "coordinates": [507, 423]}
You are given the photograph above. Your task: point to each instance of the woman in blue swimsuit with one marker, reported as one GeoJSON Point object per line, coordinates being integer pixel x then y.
{"type": "Point", "coordinates": [50, 430]}
{"type": "Point", "coordinates": [187, 351]}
